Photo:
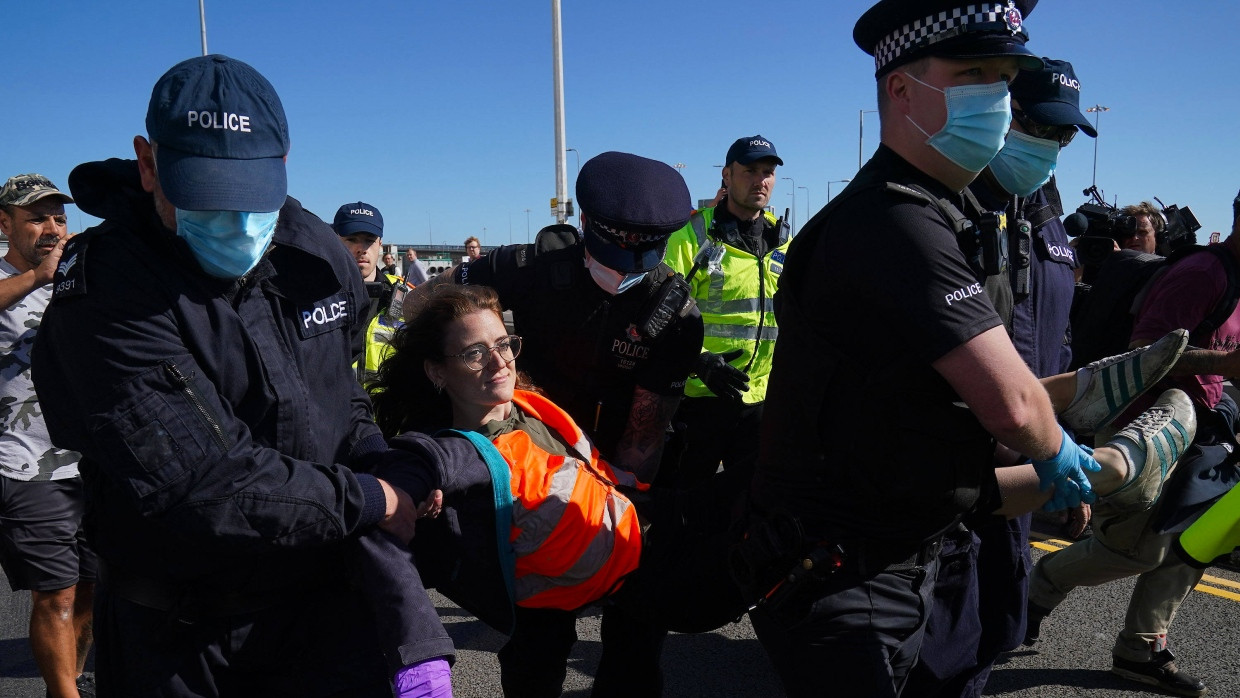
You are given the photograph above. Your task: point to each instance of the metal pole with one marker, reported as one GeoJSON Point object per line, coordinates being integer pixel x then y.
{"type": "Point", "coordinates": [527, 225]}
{"type": "Point", "coordinates": [860, 139]}
{"type": "Point", "coordinates": [861, 133]}
{"type": "Point", "coordinates": [1097, 110]}
{"type": "Point", "coordinates": [792, 222]}
{"type": "Point", "coordinates": [202, 22]}
{"type": "Point", "coordinates": [557, 72]}
{"type": "Point", "coordinates": [834, 181]}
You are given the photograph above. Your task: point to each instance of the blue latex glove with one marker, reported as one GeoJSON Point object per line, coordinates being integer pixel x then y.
{"type": "Point", "coordinates": [1066, 471]}
{"type": "Point", "coordinates": [429, 679]}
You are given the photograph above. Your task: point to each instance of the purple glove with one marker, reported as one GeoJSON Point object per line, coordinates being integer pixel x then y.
{"type": "Point", "coordinates": [429, 679]}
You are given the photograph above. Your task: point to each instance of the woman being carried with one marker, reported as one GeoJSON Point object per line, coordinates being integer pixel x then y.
{"type": "Point", "coordinates": [574, 530]}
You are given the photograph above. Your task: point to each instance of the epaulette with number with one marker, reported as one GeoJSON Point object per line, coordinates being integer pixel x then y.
{"type": "Point", "coordinates": [70, 278]}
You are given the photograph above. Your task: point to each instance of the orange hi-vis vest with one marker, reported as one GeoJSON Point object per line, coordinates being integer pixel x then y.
{"type": "Point", "coordinates": [574, 536]}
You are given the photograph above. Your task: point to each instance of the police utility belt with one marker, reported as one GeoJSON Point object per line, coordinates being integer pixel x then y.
{"type": "Point", "coordinates": [775, 562]}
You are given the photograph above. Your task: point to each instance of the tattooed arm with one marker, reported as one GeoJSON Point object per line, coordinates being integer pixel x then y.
{"type": "Point", "coordinates": [641, 445]}
{"type": "Point", "coordinates": [1208, 362]}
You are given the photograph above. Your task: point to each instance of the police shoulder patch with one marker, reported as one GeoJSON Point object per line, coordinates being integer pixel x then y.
{"type": "Point", "coordinates": [70, 277]}
{"type": "Point", "coordinates": [325, 315]}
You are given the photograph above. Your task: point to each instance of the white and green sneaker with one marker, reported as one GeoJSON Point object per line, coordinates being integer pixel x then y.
{"type": "Point", "coordinates": [1106, 387]}
{"type": "Point", "coordinates": [1153, 444]}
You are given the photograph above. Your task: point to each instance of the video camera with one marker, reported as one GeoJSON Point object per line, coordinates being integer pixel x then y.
{"type": "Point", "coordinates": [1101, 226]}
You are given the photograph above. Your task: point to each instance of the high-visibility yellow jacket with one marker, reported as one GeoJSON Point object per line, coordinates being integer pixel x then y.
{"type": "Point", "coordinates": [1216, 533]}
{"type": "Point", "coordinates": [379, 335]}
{"type": "Point", "coordinates": [734, 296]}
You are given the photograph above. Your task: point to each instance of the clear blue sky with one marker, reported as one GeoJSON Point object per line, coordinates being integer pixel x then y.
{"type": "Point", "coordinates": [440, 113]}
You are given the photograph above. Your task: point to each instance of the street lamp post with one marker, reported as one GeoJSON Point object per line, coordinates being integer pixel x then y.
{"type": "Point", "coordinates": [1096, 110]}
{"type": "Point", "coordinates": [861, 131]}
{"type": "Point", "coordinates": [577, 155]}
{"type": "Point", "coordinates": [792, 223]}
{"type": "Point", "coordinates": [834, 181]}
{"type": "Point", "coordinates": [806, 202]}
{"type": "Point", "coordinates": [527, 225]}
{"type": "Point", "coordinates": [202, 23]}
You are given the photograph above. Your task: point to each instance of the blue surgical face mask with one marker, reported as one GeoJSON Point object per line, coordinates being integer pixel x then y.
{"type": "Point", "coordinates": [610, 280]}
{"type": "Point", "coordinates": [227, 244]}
{"type": "Point", "coordinates": [1025, 163]}
{"type": "Point", "coordinates": [978, 117]}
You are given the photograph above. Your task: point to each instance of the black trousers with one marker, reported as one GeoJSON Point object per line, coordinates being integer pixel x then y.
{"type": "Point", "coordinates": [715, 431]}
{"type": "Point", "coordinates": [682, 584]}
{"type": "Point", "coordinates": [849, 636]}
{"type": "Point", "coordinates": [319, 644]}
{"type": "Point", "coordinates": [979, 608]}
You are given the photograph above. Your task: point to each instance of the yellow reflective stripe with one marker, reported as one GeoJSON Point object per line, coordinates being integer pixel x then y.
{"type": "Point", "coordinates": [750, 332]}
{"type": "Point", "coordinates": [738, 306]}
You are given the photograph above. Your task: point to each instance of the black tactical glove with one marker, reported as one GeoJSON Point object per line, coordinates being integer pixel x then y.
{"type": "Point", "coordinates": [723, 379]}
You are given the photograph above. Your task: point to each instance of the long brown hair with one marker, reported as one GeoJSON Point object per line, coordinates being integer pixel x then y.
{"type": "Point", "coordinates": [403, 396]}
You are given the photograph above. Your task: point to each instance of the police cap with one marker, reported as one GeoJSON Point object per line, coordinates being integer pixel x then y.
{"type": "Point", "coordinates": [897, 32]}
{"type": "Point", "coordinates": [631, 206]}
{"type": "Point", "coordinates": [358, 217]}
{"type": "Point", "coordinates": [746, 150]}
{"type": "Point", "coordinates": [222, 136]}
{"type": "Point", "coordinates": [1051, 96]}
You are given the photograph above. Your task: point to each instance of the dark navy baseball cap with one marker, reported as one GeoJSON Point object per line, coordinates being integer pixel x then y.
{"type": "Point", "coordinates": [631, 206]}
{"type": "Point", "coordinates": [897, 32]}
{"type": "Point", "coordinates": [358, 217]}
{"type": "Point", "coordinates": [1052, 96]}
{"type": "Point", "coordinates": [221, 137]}
{"type": "Point", "coordinates": [751, 148]}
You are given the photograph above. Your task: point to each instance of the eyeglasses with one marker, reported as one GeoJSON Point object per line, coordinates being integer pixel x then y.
{"type": "Point", "coordinates": [477, 356]}
{"type": "Point", "coordinates": [1062, 135]}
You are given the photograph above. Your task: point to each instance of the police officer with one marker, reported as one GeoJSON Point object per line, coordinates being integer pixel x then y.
{"type": "Point", "coordinates": [894, 377]}
{"type": "Point", "coordinates": [196, 354]}
{"type": "Point", "coordinates": [989, 562]}
{"type": "Point", "coordinates": [610, 333]}
{"type": "Point", "coordinates": [731, 256]}
{"type": "Point", "coordinates": [360, 227]}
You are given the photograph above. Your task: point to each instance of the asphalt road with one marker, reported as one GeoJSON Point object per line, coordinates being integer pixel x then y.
{"type": "Point", "coordinates": [1072, 660]}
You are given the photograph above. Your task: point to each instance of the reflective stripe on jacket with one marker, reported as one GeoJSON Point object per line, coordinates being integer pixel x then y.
{"type": "Point", "coordinates": [379, 333]}
{"type": "Point", "coordinates": [735, 299]}
{"type": "Point", "coordinates": [574, 535]}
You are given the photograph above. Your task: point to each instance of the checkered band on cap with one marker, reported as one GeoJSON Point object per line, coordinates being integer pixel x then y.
{"type": "Point", "coordinates": [991, 16]}
{"type": "Point", "coordinates": [627, 239]}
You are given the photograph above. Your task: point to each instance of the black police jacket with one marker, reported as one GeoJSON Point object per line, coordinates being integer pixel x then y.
{"type": "Point", "coordinates": [213, 416]}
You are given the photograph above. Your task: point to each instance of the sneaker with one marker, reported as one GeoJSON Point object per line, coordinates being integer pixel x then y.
{"type": "Point", "coordinates": [1155, 439]}
{"type": "Point", "coordinates": [1160, 671]}
{"type": "Point", "coordinates": [1034, 615]}
{"type": "Point", "coordinates": [1114, 382]}
{"type": "Point", "coordinates": [86, 684]}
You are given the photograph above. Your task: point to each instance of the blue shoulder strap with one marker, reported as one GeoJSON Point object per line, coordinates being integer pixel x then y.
{"type": "Point", "coordinates": [501, 487]}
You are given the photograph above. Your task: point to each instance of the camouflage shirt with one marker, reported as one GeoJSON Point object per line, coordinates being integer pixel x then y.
{"type": "Point", "coordinates": [26, 452]}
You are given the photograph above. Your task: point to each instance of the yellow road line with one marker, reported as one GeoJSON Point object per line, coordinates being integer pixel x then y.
{"type": "Point", "coordinates": [1053, 544]}
{"type": "Point", "coordinates": [1218, 592]}
{"type": "Point", "coordinates": [1220, 581]}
